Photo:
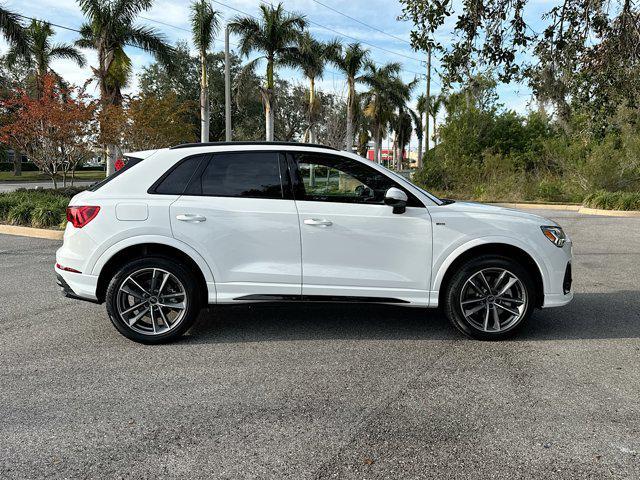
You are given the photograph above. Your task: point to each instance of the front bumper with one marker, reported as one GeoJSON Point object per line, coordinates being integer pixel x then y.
{"type": "Point", "coordinates": [558, 288]}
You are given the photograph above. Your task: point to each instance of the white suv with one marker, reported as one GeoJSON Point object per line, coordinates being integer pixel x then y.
{"type": "Point", "coordinates": [179, 228]}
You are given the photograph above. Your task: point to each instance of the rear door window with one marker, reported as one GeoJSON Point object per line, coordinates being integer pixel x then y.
{"type": "Point", "coordinates": [241, 174]}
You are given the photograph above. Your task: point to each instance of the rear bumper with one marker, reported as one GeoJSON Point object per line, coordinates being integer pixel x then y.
{"type": "Point", "coordinates": [77, 285]}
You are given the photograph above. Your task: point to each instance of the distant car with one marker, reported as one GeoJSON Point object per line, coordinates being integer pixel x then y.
{"type": "Point", "coordinates": [179, 228]}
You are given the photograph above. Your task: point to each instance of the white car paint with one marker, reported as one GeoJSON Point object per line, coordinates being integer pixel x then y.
{"type": "Point", "coordinates": [252, 246]}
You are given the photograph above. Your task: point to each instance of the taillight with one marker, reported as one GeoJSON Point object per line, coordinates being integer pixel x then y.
{"type": "Point", "coordinates": [80, 216]}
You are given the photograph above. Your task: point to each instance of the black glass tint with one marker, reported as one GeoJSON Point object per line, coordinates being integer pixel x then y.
{"type": "Point", "coordinates": [242, 174]}
{"type": "Point", "coordinates": [178, 178]}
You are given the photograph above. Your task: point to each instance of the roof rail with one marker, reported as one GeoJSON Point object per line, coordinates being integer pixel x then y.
{"type": "Point", "coordinates": [264, 143]}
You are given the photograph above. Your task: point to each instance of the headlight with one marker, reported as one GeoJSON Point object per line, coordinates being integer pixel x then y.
{"type": "Point", "coordinates": [555, 235]}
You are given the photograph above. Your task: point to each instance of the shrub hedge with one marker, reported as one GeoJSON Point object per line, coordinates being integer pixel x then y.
{"type": "Point", "coordinates": [613, 200]}
{"type": "Point", "coordinates": [36, 208]}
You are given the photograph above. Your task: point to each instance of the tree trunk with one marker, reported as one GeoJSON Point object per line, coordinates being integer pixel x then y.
{"type": "Point", "coordinates": [394, 150]}
{"type": "Point", "coordinates": [204, 99]}
{"type": "Point", "coordinates": [350, 106]}
{"type": "Point", "coordinates": [268, 104]}
{"type": "Point", "coordinates": [376, 145]}
{"type": "Point", "coordinates": [419, 152]}
{"type": "Point", "coordinates": [17, 163]}
{"type": "Point", "coordinates": [112, 154]}
{"type": "Point", "coordinates": [269, 118]}
{"type": "Point", "coordinates": [428, 112]}
{"type": "Point", "coordinates": [310, 134]}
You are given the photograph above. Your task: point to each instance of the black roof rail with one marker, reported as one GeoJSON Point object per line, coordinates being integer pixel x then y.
{"type": "Point", "coordinates": [263, 143]}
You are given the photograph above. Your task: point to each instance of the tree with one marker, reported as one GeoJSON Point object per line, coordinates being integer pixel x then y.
{"type": "Point", "coordinates": [437, 101]}
{"type": "Point", "coordinates": [351, 61]}
{"type": "Point", "coordinates": [41, 52]}
{"type": "Point", "coordinates": [311, 56]}
{"type": "Point", "coordinates": [182, 80]}
{"type": "Point", "coordinates": [205, 24]}
{"type": "Point", "coordinates": [53, 130]}
{"type": "Point", "coordinates": [421, 109]}
{"type": "Point", "coordinates": [401, 121]}
{"type": "Point", "coordinates": [158, 122]}
{"type": "Point", "coordinates": [386, 92]}
{"type": "Point", "coordinates": [275, 35]}
{"type": "Point", "coordinates": [109, 29]}
{"type": "Point", "coordinates": [13, 31]}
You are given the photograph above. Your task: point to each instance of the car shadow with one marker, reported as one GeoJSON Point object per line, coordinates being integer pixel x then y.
{"type": "Point", "coordinates": [590, 316]}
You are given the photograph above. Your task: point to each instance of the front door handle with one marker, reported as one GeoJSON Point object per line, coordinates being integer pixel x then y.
{"type": "Point", "coordinates": [191, 217]}
{"type": "Point", "coordinates": [318, 223]}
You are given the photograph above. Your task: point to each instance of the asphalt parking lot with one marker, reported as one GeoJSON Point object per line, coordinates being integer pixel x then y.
{"type": "Point", "coordinates": [325, 391]}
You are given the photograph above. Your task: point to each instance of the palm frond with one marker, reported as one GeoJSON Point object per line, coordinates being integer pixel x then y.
{"type": "Point", "coordinates": [13, 31]}
{"type": "Point", "coordinates": [68, 52]}
{"type": "Point", "coordinates": [126, 11]}
{"type": "Point", "coordinates": [151, 41]}
{"type": "Point", "coordinates": [205, 23]}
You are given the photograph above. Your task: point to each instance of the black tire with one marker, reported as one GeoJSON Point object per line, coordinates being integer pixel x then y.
{"type": "Point", "coordinates": [454, 290]}
{"type": "Point", "coordinates": [192, 299]}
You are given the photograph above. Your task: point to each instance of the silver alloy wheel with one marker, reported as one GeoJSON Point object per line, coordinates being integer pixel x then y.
{"type": "Point", "coordinates": [493, 300]}
{"type": "Point", "coordinates": [151, 301]}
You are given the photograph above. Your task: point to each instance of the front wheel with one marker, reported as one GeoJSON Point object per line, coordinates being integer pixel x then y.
{"type": "Point", "coordinates": [152, 300]}
{"type": "Point", "coordinates": [490, 298]}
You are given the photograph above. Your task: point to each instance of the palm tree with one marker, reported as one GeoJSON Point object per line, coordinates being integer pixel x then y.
{"type": "Point", "coordinates": [41, 52]}
{"type": "Point", "coordinates": [402, 120]}
{"type": "Point", "coordinates": [386, 92]}
{"type": "Point", "coordinates": [437, 101]}
{"type": "Point", "coordinates": [421, 108]}
{"type": "Point", "coordinates": [275, 35]}
{"type": "Point", "coordinates": [350, 62]}
{"type": "Point", "coordinates": [205, 24]}
{"type": "Point", "coordinates": [13, 31]}
{"type": "Point", "coordinates": [416, 116]}
{"type": "Point", "coordinates": [109, 29]}
{"type": "Point", "coordinates": [311, 56]}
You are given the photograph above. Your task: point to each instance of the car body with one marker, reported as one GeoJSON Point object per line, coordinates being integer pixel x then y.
{"type": "Point", "coordinates": [318, 225]}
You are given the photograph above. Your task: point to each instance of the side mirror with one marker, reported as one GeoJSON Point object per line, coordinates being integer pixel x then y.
{"type": "Point", "coordinates": [397, 199]}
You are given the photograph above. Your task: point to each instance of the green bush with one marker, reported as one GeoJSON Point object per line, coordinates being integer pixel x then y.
{"type": "Point", "coordinates": [5, 206]}
{"type": "Point", "coordinates": [20, 214]}
{"type": "Point", "coordinates": [613, 200]}
{"type": "Point", "coordinates": [36, 208]}
{"type": "Point", "coordinates": [49, 214]}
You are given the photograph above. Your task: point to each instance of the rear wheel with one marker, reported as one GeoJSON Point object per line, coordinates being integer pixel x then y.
{"type": "Point", "coordinates": [152, 300]}
{"type": "Point", "coordinates": [490, 298]}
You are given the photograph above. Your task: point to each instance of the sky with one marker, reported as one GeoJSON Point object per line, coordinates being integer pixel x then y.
{"type": "Point", "coordinates": [377, 27]}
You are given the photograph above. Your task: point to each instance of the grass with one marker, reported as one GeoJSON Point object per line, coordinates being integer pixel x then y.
{"type": "Point", "coordinates": [38, 176]}
{"type": "Point", "coordinates": [36, 208]}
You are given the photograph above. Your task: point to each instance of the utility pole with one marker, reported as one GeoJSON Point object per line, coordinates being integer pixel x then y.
{"type": "Point", "coordinates": [426, 126]}
{"type": "Point", "coordinates": [227, 87]}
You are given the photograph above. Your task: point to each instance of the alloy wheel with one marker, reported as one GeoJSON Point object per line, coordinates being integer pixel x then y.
{"type": "Point", "coordinates": [493, 300]}
{"type": "Point", "coordinates": [152, 301]}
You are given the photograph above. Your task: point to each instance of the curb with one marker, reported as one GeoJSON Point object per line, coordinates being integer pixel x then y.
{"type": "Point", "coordinates": [609, 213]}
{"type": "Point", "coordinates": [545, 206]}
{"type": "Point", "coordinates": [32, 232]}
{"type": "Point", "coordinates": [573, 208]}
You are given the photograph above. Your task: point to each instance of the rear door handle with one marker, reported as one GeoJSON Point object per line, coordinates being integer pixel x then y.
{"type": "Point", "coordinates": [318, 223]}
{"type": "Point", "coordinates": [191, 217]}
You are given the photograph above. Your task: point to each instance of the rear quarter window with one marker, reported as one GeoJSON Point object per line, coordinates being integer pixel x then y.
{"type": "Point", "coordinates": [176, 179]}
{"type": "Point", "coordinates": [128, 163]}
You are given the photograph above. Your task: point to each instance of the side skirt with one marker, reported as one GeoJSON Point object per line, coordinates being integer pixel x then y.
{"type": "Point", "coordinates": [319, 298]}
